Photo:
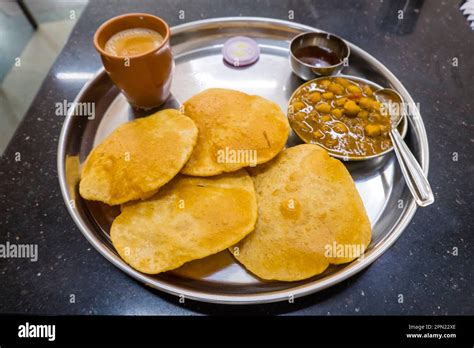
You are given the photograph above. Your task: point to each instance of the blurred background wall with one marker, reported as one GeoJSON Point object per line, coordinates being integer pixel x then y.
{"type": "Point", "coordinates": [32, 34]}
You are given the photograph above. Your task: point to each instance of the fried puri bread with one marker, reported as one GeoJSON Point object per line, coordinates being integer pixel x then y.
{"type": "Point", "coordinates": [189, 218]}
{"type": "Point", "coordinates": [236, 130]}
{"type": "Point", "coordinates": [138, 158]}
{"type": "Point", "coordinates": [308, 209]}
{"type": "Point", "coordinates": [202, 268]}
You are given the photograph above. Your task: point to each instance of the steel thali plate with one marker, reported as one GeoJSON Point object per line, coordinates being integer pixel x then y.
{"type": "Point", "coordinates": [199, 65]}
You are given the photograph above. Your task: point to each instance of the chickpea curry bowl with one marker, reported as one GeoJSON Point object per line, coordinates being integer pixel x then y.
{"type": "Point", "coordinates": [341, 114]}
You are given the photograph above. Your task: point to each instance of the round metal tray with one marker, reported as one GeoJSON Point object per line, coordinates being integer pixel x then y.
{"type": "Point", "coordinates": [199, 65]}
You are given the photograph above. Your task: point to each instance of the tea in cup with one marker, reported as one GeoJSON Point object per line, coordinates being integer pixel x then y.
{"type": "Point", "coordinates": [136, 54]}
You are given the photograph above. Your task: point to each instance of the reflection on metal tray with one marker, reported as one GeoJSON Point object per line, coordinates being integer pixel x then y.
{"type": "Point", "coordinates": [197, 50]}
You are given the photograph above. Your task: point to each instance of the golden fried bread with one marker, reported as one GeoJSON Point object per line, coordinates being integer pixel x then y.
{"type": "Point", "coordinates": [308, 207]}
{"type": "Point", "coordinates": [236, 130]}
{"type": "Point", "coordinates": [138, 158]}
{"type": "Point", "coordinates": [188, 219]}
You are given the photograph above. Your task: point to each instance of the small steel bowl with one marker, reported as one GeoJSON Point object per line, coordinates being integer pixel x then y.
{"type": "Point", "coordinates": [323, 40]}
{"type": "Point", "coordinates": [402, 127]}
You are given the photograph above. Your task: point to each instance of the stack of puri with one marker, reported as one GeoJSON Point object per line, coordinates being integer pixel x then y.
{"type": "Point", "coordinates": [217, 176]}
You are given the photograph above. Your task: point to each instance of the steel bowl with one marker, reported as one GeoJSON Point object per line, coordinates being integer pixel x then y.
{"type": "Point", "coordinates": [324, 40]}
{"type": "Point", "coordinates": [402, 126]}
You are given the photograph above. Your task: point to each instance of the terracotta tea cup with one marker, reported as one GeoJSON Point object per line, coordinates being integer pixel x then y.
{"type": "Point", "coordinates": [144, 79]}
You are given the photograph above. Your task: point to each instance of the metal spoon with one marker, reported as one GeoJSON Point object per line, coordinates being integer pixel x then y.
{"type": "Point", "coordinates": [412, 172]}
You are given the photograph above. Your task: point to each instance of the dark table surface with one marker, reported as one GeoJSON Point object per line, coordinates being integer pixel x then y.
{"type": "Point", "coordinates": [431, 264]}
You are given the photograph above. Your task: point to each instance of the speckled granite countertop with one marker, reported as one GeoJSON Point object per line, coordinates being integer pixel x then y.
{"type": "Point", "coordinates": [431, 264]}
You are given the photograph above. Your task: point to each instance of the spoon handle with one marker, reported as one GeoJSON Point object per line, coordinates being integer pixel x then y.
{"type": "Point", "coordinates": [412, 172]}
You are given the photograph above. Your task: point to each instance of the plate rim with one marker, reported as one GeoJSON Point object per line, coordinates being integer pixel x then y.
{"type": "Point", "coordinates": [275, 295]}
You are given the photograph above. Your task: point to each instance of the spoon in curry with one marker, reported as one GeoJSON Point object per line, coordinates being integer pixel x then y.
{"type": "Point", "coordinates": [412, 172]}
